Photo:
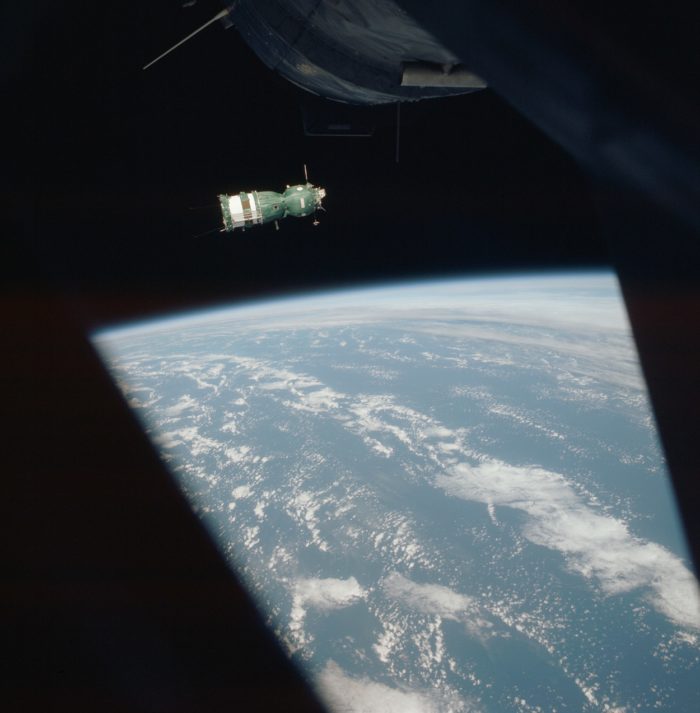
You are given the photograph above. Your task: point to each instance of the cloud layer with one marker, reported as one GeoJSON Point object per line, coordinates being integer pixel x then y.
{"type": "Point", "coordinates": [330, 593]}
{"type": "Point", "coordinates": [594, 545]}
{"type": "Point", "coordinates": [348, 694]}
{"type": "Point", "coordinates": [428, 598]}
{"type": "Point", "coordinates": [321, 594]}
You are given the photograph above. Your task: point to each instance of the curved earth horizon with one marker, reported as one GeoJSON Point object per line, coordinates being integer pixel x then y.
{"type": "Point", "coordinates": [446, 495]}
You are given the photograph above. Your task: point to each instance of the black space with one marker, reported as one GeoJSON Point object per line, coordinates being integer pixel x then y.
{"type": "Point", "coordinates": [121, 156]}
{"type": "Point", "coordinates": [113, 597]}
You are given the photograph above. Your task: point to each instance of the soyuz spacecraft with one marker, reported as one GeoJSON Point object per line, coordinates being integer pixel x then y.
{"type": "Point", "coordinates": [250, 208]}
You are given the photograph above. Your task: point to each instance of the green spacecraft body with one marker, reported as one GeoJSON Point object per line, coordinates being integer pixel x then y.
{"type": "Point", "coordinates": [247, 209]}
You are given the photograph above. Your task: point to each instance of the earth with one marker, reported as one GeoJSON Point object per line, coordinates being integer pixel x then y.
{"type": "Point", "coordinates": [443, 496]}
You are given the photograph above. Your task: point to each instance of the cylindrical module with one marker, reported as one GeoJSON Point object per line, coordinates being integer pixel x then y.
{"type": "Point", "coordinates": [241, 210]}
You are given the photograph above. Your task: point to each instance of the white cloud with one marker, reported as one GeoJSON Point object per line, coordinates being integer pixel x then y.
{"type": "Point", "coordinates": [597, 546]}
{"type": "Point", "coordinates": [184, 403]}
{"type": "Point", "coordinates": [242, 491]}
{"type": "Point", "coordinates": [427, 598]}
{"type": "Point", "coordinates": [318, 401]}
{"type": "Point", "coordinates": [437, 431]}
{"type": "Point", "coordinates": [434, 600]}
{"type": "Point", "coordinates": [238, 455]}
{"type": "Point", "coordinates": [327, 594]}
{"type": "Point", "coordinates": [197, 443]}
{"type": "Point", "coordinates": [341, 692]}
{"type": "Point", "coordinates": [322, 594]}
